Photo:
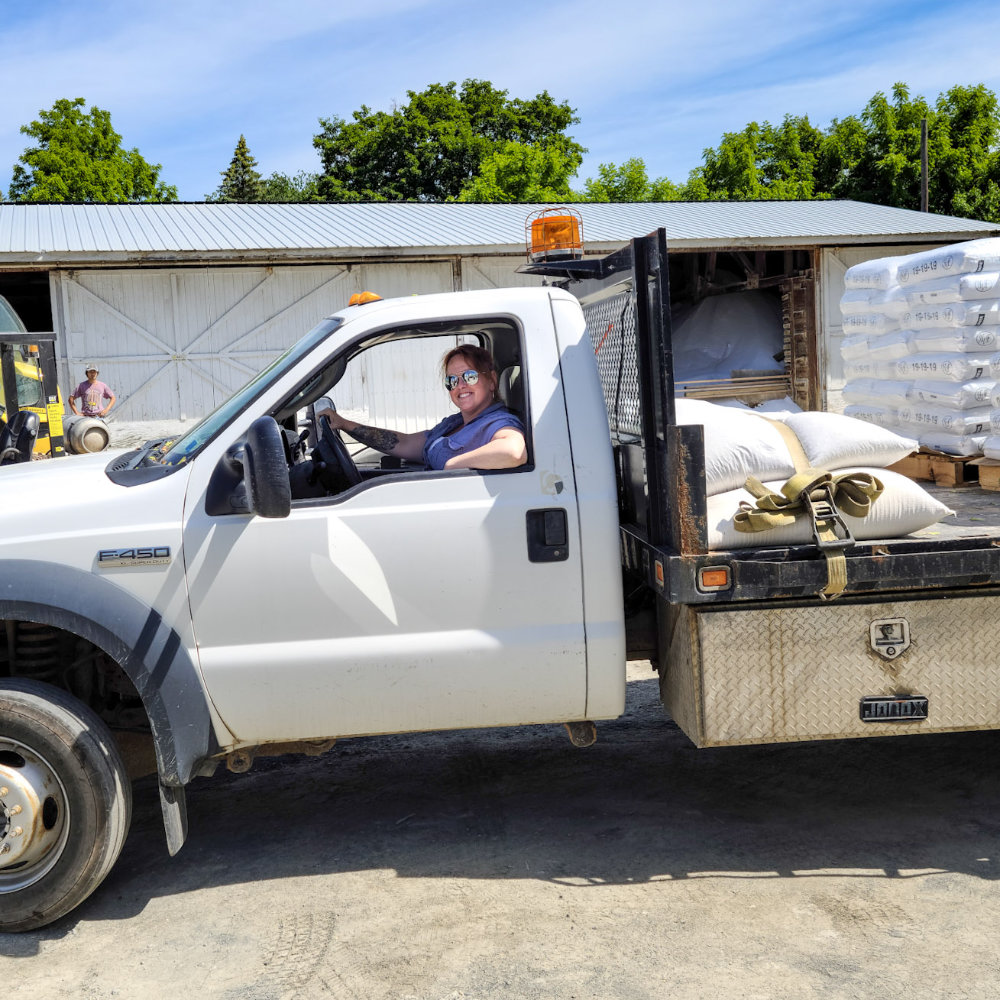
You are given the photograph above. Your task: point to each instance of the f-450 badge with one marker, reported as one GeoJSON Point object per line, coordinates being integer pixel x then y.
{"type": "Point", "coordinates": [143, 555]}
{"type": "Point", "coordinates": [890, 637]}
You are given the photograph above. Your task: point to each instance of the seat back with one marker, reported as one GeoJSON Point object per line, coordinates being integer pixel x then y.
{"type": "Point", "coordinates": [510, 387]}
{"type": "Point", "coordinates": [23, 429]}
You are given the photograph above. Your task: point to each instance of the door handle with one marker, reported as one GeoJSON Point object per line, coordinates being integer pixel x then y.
{"type": "Point", "coordinates": [548, 535]}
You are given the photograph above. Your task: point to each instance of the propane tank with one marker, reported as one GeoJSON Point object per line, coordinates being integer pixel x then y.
{"type": "Point", "coordinates": [85, 434]}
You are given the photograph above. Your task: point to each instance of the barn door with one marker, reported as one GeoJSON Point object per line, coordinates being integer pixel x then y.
{"type": "Point", "coordinates": [174, 343]}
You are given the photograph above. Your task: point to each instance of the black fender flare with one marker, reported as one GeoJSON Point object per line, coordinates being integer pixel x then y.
{"type": "Point", "coordinates": [148, 650]}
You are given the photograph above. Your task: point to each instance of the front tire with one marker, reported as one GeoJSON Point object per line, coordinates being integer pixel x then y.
{"type": "Point", "coordinates": [65, 803]}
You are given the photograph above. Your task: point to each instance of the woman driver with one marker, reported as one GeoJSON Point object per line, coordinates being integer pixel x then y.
{"type": "Point", "coordinates": [484, 434]}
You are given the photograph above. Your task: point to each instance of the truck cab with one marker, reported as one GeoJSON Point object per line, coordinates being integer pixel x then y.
{"type": "Point", "coordinates": [396, 598]}
{"type": "Point", "coordinates": [252, 586]}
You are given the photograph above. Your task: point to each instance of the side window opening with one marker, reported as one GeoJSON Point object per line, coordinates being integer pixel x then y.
{"type": "Point", "coordinates": [394, 381]}
{"type": "Point", "coordinates": [395, 384]}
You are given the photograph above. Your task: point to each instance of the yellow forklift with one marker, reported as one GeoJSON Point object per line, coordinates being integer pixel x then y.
{"type": "Point", "coordinates": [31, 409]}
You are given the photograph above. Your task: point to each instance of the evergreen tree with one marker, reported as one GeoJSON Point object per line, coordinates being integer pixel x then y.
{"type": "Point", "coordinates": [240, 180]}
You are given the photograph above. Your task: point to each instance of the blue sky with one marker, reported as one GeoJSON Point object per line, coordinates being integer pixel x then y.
{"type": "Point", "coordinates": [660, 80]}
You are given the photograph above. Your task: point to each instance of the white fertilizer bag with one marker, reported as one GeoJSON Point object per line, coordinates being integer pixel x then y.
{"type": "Point", "coordinates": [955, 395]}
{"type": "Point", "coordinates": [953, 289]}
{"type": "Point", "coordinates": [860, 390]}
{"type": "Point", "coordinates": [962, 446]}
{"type": "Point", "coordinates": [985, 312]}
{"type": "Point", "coordinates": [991, 447]}
{"type": "Point", "coordinates": [891, 302]}
{"type": "Point", "coordinates": [879, 274]}
{"type": "Point", "coordinates": [945, 339]}
{"type": "Point", "coordinates": [972, 257]}
{"type": "Point", "coordinates": [878, 391]}
{"type": "Point", "coordinates": [778, 408]}
{"type": "Point", "coordinates": [883, 370]}
{"type": "Point", "coordinates": [883, 347]}
{"type": "Point", "coordinates": [870, 323]}
{"type": "Point", "coordinates": [903, 507]}
{"type": "Point", "coordinates": [834, 441]}
{"type": "Point", "coordinates": [874, 413]}
{"type": "Point", "coordinates": [738, 444]}
{"type": "Point", "coordinates": [927, 418]}
{"type": "Point", "coordinates": [948, 367]}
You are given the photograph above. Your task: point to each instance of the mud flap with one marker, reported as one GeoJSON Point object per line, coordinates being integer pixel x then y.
{"type": "Point", "coordinates": [173, 802]}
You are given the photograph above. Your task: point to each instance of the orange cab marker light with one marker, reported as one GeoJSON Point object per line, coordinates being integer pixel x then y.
{"type": "Point", "coordinates": [363, 298]}
{"type": "Point", "coordinates": [713, 578]}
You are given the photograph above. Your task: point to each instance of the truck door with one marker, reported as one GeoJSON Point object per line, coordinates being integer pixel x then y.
{"type": "Point", "coordinates": [415, 601]}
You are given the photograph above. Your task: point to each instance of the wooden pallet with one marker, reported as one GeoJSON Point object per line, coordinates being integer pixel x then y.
{"type": "Point", "coordinates": [945, 470]}
{"type": "Point", "coordinates": [989, 473]}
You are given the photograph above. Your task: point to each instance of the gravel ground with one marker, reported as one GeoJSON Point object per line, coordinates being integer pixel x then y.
{"type": "Point", "coordinates": [508, 864]}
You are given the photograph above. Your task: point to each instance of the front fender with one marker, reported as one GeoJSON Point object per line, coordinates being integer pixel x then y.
{"type": "Point", "coordinates": [135, 636]}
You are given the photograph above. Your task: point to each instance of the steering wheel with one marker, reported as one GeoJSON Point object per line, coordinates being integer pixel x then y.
{"type": "Point", "coordinates": [334, 455]}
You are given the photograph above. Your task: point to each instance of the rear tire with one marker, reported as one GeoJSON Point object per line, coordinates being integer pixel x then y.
{"type": "Point", "coordinates": [65, 803]}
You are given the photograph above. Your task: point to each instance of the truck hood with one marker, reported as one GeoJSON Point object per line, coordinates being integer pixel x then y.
{"type": "Point", "coordinates": [52, 473]}
{"type": "Point", "coordinates": [62, 485]}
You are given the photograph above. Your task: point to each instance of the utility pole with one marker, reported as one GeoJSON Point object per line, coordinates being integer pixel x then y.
{"type": "Point", "coordinates": [924, 191]}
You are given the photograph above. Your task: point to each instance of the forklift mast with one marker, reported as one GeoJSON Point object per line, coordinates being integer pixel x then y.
{"type": "Point", "coordinates": [49, 408]}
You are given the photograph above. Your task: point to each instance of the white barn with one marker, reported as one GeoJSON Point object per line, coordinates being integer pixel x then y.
{"type": "Point", "coordinates": [180, 304]}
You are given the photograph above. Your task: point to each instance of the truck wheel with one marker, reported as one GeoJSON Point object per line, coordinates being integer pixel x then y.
{"type": "Point", "coordinates": [65, 803]}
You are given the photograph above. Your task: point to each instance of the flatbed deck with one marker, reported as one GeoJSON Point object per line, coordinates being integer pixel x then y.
{"type": "Point", "coordinates": [961, 552]}
{"type": "Point", "coordinates": [977, 512]}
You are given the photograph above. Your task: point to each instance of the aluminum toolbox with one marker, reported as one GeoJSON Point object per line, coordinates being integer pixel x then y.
{"type": "Point", "coordinates": [802, 670]}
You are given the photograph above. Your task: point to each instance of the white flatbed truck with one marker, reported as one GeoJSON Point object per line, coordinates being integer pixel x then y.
{"type": "Point", "coordinates": [250, 589]}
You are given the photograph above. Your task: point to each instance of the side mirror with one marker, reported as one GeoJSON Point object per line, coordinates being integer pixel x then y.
{"type": "Point", "coordinates": [265, 470]}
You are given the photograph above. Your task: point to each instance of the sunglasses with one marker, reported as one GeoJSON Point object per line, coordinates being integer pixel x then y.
{"type": "Point", "coordinates": [470, 377]}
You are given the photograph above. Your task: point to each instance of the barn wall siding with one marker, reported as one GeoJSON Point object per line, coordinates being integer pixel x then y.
{"type": "Point", "coordinates": [174, 343]}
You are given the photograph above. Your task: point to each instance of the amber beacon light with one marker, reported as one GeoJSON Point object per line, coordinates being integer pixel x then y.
{"type": "Point", "coordinates": [554, 234]}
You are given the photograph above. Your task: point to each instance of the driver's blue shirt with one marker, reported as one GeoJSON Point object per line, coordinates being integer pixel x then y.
{"type": "Point", "coordinates": [451, 437]}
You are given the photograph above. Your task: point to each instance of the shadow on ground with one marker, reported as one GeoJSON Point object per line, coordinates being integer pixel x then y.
{"type": "Point", "coordinates": [642, 804]}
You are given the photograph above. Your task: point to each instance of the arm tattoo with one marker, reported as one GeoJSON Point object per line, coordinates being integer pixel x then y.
{"type": "Point", "coordinates": [375, 438]}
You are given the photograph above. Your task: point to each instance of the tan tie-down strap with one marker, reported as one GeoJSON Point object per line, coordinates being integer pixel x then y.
{"type": "Point", "coordinates": [820, 496]}
{"type": "Point", "coordinates": [792, 443]}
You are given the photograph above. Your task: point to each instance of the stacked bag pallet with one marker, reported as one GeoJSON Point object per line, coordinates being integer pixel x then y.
{"type": "Point", "coordinates": [741, 443]}
{"type": "Point", "coordinates": [921, 345]}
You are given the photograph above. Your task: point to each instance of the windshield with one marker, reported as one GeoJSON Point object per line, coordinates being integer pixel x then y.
{"type": "Point", "coordinates": [186, 447]}
{"type": "Point", "coordinates": [10, 322]}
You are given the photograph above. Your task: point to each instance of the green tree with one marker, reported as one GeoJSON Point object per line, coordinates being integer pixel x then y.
{"type": "Point", "coordinates": [433, 147]}
{"type": "Point", "coordinates": [965, 179]}
{"type": "Point", "coordinates": [78, 157]}
{"type": "Point", "coordinates": [875, 157]}
{"type": "Point", "coordinates": [517, 172]}
{"type": "Point", "coordinates": [240, 180]}
{"type": "Point", "coordinates": [629, 182]}
{"type": "Point", "coordinates": [302, 187]}
{"type": "Point", "coordinates": [881, 164]}
{"type": "Point", "coordinates": [763, 162]}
